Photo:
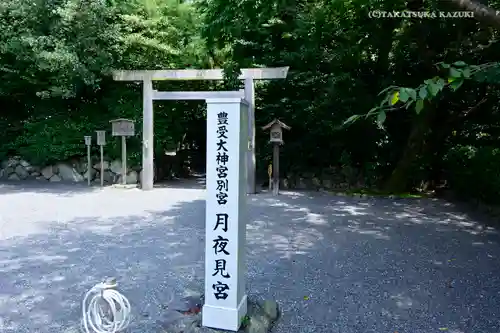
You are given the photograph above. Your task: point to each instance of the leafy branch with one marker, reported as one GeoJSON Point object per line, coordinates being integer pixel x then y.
{"type": "Point", "coordinates": [397, 98]}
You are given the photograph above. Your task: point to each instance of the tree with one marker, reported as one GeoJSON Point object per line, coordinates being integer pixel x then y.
{"type": "Point", "coordinates": [481, 12]}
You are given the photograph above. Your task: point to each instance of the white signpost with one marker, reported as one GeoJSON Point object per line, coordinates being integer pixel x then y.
{"type": "Point", "coordinates": [88, 142]}
{"type": "Point", "coordinates": [248, 75]}
{"type": "Point", "coordinates": [101, 141]}
{"type": "Point", "coordinates": [226, 211]}
{"type": "Point", "coordinates": [123, 127]}
{"type": "Point", "coordinates": [225, 220]}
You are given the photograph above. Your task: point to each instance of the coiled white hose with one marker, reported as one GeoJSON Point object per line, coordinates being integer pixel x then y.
{"type": "Point", "coordinates": [104, 309]}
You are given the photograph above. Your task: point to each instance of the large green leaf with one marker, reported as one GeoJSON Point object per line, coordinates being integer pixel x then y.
{"type": "Point", "coordinates": [419, 106]}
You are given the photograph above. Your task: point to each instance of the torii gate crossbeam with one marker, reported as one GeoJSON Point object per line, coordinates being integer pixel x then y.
{"type": "Point", "coordinates": [147, 76]}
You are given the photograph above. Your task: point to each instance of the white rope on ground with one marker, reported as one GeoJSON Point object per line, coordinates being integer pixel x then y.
{"type": "Point", "coordinates": [104, 309]}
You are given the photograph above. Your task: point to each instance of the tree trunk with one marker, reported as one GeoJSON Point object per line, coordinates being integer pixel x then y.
{"type": "Point", "coordinates": [481, 12]}
{"type": "Point", "coordinates": [400, 179]}
{"type": "Point", "coordinates": [434, 148]}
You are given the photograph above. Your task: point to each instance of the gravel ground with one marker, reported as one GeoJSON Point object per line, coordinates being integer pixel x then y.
{"type": "Point", "coordinates": [335, 264]}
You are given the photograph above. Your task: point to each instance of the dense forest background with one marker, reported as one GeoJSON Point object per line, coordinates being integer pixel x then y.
{"type": "Point", "coordinates": [397, 103]}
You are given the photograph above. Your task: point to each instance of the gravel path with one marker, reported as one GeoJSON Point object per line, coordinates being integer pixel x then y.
{"type": "Point", "coordinates": [335, 264]}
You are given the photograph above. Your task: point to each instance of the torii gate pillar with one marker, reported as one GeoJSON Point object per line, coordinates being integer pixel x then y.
{"type": "Point", "coordinates": [248, 75]}
{"type": "Point", "coordinates": [249, 89]}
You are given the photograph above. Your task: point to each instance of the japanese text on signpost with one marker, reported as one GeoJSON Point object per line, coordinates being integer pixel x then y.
{"type": "Point", "coordinates": [220, 288]}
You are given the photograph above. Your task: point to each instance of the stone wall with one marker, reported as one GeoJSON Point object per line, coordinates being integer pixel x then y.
{"type": "Point", "coordinates": [75, 170]}
{"type": "Point", "coordinates": [330, 179]}
{"type": "Point", "coordinates": [16, 168]}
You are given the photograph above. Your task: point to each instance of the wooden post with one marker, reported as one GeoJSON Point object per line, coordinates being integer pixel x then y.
{"type": "Point", "coordinates": [102, 166]}
{"type": "Point", "coordinates": [270, 176]}
{"type": "Point", "coordinates": [88, 142]}
{"type": "Point", "coordinates": [276, 166]}
{"type": "Point", "coordinates": [147, 136]}
{"type": "Point", "coordinates": [124, 160]}
{"type": "Point", "coordinates": [101, 141]}
{"type": "Point", "coordinates": [88, 165]}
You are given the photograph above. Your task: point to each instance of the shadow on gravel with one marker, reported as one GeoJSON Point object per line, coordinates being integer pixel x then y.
{"type": "Point", "coordinates": [61, 189]}
{"type": "Point", "coordinates": [335, 264]}
{"type": "Point", "coordinates": [70, 188]}
{"type": "Point", "coordinates": [193, 182]}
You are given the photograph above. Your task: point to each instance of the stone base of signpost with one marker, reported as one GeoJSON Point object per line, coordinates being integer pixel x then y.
{"type": "Point", "coordinates": [184, 316]}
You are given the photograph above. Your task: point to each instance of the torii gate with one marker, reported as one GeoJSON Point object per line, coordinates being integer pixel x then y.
{"type": "Point", "coordinates": [149, 95]}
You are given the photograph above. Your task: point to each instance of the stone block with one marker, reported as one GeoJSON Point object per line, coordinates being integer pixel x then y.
{"type": "Point", "coordinates": [178, 317]}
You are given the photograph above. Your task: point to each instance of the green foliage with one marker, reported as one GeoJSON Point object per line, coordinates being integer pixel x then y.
{"type": "Point", "coordinates": [56, 60]}
{"type": "Point", "coordinates": [231, 76]}
{"type": "Point", "coordinates": [429, 86]}
{"type": "Point", "coordinates": [397, 98]}
{"type": "Point", "coordinates": [474, 172]}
